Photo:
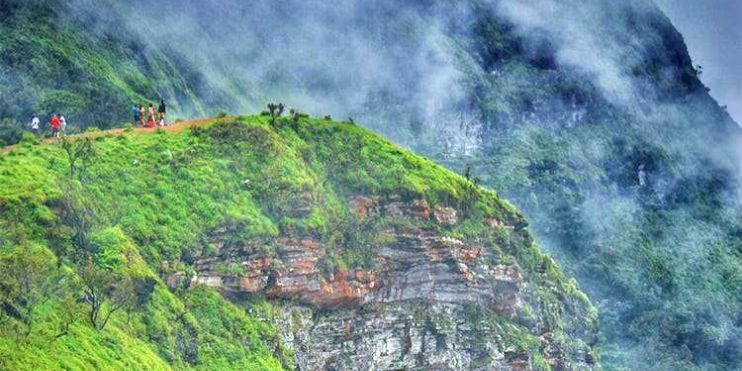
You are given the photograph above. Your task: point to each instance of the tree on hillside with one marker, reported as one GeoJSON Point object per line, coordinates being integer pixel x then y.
{"type": "Point", "coordinates": [29, 278]}
{"type": "Point", "coordinates": [105, 292]}
{"type": "Point", "coordinates": [78, 215]}
{"type": "Point", "coordinates": [106, 273]}
{"type": "Point", "coordinates": [275, 110]}
{"type": "Point", "coordinates": [80, 155]}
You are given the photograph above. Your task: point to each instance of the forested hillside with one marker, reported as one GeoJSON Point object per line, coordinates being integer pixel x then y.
{"type": "Point", "coordinates": [589, 117]}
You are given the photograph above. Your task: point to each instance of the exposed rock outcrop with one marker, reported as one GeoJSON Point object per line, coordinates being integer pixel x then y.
{"type": "Point", "coordinates": [432, 302]}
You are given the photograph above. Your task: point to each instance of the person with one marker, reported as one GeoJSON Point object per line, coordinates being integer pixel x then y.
{"type": "Point", "coordinates": [141, 115]}
{"type": "Point", "coordinates": [55, 124]}
{"type": "Point", "coordinates": [63, 125]}
{"type": "Point", "coordinates": [161, 110]}
{"type": "Point", "coordinates": [151, 118]}
{"type": "Point", "coordinates": [35, 122]}
{"type": "Point", "coordinates": [135, 113]}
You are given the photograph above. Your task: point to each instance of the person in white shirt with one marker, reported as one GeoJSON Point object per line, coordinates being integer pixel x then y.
{"type": "Point", "coordinates": [63, 126]}
{"type": "Point", "coordinates": [35, 122]}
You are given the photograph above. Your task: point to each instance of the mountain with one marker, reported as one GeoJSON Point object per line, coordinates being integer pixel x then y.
{"type": "Point", "coordinates": [330, 246]}
{"type": "Point", "coordinates": [589, 116]}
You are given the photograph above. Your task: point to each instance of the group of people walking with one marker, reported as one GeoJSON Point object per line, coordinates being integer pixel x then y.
{"type": "Point", "coordinates": [57, 123]}
{"type": "Point", "coordinates": [139, 114]}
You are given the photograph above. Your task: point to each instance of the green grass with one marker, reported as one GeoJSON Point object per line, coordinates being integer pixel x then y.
{"type": "Point", "coordinates": [158, 195]}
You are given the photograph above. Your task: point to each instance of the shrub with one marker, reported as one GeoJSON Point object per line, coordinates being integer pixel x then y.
{"type": "Point", "coordinates": [11, 132]}
{"type": "Point", "coordinates": [276, 110]}
{"type": "Point", "coordinates": [28, 138]}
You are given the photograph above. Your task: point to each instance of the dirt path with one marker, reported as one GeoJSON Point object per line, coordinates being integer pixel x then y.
{"type": "Point", "coordinates": [174, 128]}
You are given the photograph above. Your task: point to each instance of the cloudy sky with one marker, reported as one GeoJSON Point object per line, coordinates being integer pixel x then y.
{"type": "Point", "coordinates": [713, 32]}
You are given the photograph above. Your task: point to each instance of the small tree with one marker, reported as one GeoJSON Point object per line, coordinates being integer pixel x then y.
{"type": "Point", "coordinates": [113, 277]}
{"type": "Point", "coordinates": [275, 110]}
{"type": "Point", "coordinates": [295, 117]}
{"type": "Point", "coordinates": [106, 289]}
{"type": "Point", "coordinates": [105, 292]}
{"type": "Point", "coordinates": [80, 155]}
{"type": "Point", "coordinates": [109, 290]}
{"type": "Point", "coordinates": [80, 217]}
{"type": "Point", "coordinates": [29, 278]}
{"type": "Point", "coordinates": [68, 314]}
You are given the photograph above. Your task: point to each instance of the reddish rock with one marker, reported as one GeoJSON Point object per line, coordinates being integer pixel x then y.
{"type": "Point", "coordinates": [493, 223]}
{"type": "Point", "coordinates": [420, 209]}
{"type": "Point", "coordinates": [416, 209]}
{"type": "Point", "coordinates": [293, 272]}
{"type": "Point", "coordinates": [361, 206]}
{"type": "Point", "coordinates": [446, 215]}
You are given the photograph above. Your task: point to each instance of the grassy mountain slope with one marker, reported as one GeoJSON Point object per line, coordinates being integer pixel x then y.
{"type": "Point", "coordinates": [660, 255]}
{"type": "Point", "coordinates": [142, 204]}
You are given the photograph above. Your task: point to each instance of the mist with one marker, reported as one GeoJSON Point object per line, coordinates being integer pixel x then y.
{"type": "Point", "coordinates": [713, 33]}
{"type": "Point", "coordinates": [598, 72]}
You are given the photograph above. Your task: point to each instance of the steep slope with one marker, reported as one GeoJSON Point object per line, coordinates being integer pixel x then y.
{"type": "Point", "coordinates": [590, 117]}
{"type": "Point", "coordinates": [338, 250]}
{"type": "Point", "coordinates": [632, 183]}
{"type": "Point", "coordinates": [62, 57]}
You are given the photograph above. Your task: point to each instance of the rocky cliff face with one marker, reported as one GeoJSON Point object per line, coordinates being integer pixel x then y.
{"type": "Point", "coordinates": [433, 302]}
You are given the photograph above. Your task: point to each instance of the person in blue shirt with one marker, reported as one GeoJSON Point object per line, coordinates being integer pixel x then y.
{"type": "Point", "coordinates": [135, 112]}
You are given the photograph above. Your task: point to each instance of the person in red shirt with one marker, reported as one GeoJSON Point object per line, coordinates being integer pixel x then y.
{"type": "Point", "coordinates": [55, 123]}
{"type": "Point", "coordinates": [151, 119]}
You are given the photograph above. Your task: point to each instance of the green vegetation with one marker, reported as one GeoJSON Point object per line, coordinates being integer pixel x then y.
{"type": "Point", "coordinates": [83, 241]}
{"type": "Point", "coordinates": [82, 251]}
{"type": "Point", "coordinates": [663, 257]}
{"type": "Point", "coordinates": [92, 75]}
{"type": "Point", "coordinates": [639, 201]}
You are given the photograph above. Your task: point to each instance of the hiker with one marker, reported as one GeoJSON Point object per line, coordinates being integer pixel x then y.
{"type": "Point", "coordinates": [55, 124]}
{"type": "Point", "coordinates": [151, 118]}
{"type": "Point", "coordinates": [63, 125]}
{"type": "Point", "coordinates": [135, 113]}
{"type": "Point", "coordinates": [35, 122]}
{"type": "Point", "coordinates": [141, 115]}
{"type": "Point", "coordinates": [161, 110]}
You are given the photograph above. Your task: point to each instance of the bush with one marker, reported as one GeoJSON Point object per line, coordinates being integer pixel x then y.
{"type": "Point", "coordinates": [11, 132]}
{"type": "Point", "coordinates": [29, 138]}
